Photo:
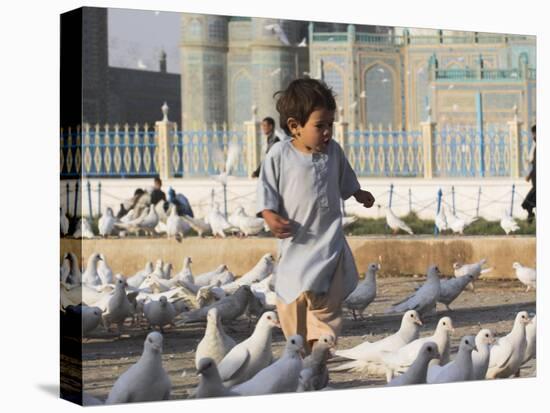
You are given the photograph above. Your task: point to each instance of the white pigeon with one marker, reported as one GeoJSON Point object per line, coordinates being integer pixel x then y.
{"type": "Point", "coordinates": [167, 271]}
{"type": "Point", "coordinates": [131, 223]}
{"type": "Point", "coordinates": [416, 374]}
{"type": "Point", "coordinates": [460, 369]}
{"type": "Point", "coordinates": [364, 293]}
{"type": "Point", "coordinates": [247, 224]}
{"type": "Point", "coordinates": [159, 209]}
{"type": "Point", "coordinates": [63, 222]}
{"type": "Point", "coordinates": [175, 225]}
{"type": "Point", "coordinates": [281, 376]}
{"type": "Point", "coordinates": [423, 299]}
{"type": "Point", "coordinates": [106, 223]}
{"type": "Point", "coordinates": [185, 276]}
{"type": "Point", "coordinates": [347, 221]}
{"type": "Point", "coordinates": [117, 307]}
{"type": "Point", "coordinates": [75, 277]}
{"type": "Point", "coordinates": [399, 361]}
{"type": "Point", "coordinates": [508, 223]}
{"type": "Point", "coordinates": [276, 28]}
{"type": "Point", "coordinates": [210, 382]}
{"type": "Point", "coordinates": [395, 223]}
{"type": "Point", "coordinates": [104, 271]}
{"type": "Point", "coordinates": [367, 353]}
{"type": "Point", "coordinates": [314, 374]}
{"type": "Point", "coordinates": [130, 216]}
{"type": "Point", "coordinates": [441, 220]}
{"type": "Point", "coordinates": [83, 229]}
{"type": "Point", "coordinates": [480, 356]}
{"type": "Point", "coordinates": [229, 164]}
{"type": "Point", "coordinates": [265, 293]}
{"type": "Point", "coordinates": [230, 307]}
{"type": "Point", "coordinates": [207, 278]}
{"type": "Point", "coordinates": [262, 269]}
{"type": "Point", "coordinates": [216, 343]}
{"type": "Point", "coordinates": [218, 222]}
{"type": "Point", "coordinates": [149, 223]}
{"type": "Point", "coordinates": [475, 269]}
{"type": "Point", "coordinates": [146, 380]}
{"type": "Point", "coordinates": [70, 270]}
{"type": "Point", "coordinates": [162, 228]}
{"type": "Point", "coordinates": [200, 226]}
{"type": "Point", "coordinates": [458, 225]}
{"type": "Point", "coordinates": [65, 270]}
{"type": "Point", "coordinates": [252, 355]}
{"type": "Point", "coordinates": [531, 337]}
{"type": "Point", "coordinates": [159, 313]}
{"type": "Point", "coordinates": [527, 276]}
{"type": "Point", "coordinates": [136, 279]}
{"type": "Point", "coordinates": [91, 317]}
{"type": "Point", "coordinates": [90, 275]}
{"type": "Point", "coordinates": [210, 294]}
{"type": "Point", "coordinates": [155, 284]}
{"type": "Point", "coordinates": [508, 352]}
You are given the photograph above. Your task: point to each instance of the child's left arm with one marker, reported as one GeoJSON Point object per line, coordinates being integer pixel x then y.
{"type": "Point", "coordinates": [364, 197]}
{"type": "Point", "coordinates": [349, 185]}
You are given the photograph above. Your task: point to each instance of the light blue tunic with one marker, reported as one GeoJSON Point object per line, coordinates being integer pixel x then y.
{"type": "Point", "coordinates": [307, 189]}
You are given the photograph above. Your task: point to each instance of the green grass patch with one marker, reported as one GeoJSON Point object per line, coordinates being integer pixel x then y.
{"type": "Point", "coordinates": [377, 226]}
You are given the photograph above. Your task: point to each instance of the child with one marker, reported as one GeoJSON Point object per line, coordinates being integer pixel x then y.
{"type": "Point", "coordinates": [301, 183]}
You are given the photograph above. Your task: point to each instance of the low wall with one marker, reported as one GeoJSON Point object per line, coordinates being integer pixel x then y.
{"type": "Point", "coordinates": [397, 255]}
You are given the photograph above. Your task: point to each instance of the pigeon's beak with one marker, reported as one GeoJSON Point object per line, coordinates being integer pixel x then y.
{"type": "Point", "coordinates": [418, 321]}
{"type": "Point", "coordinates": [475, 348]}
{"type": "Point", "coordinates": [156, 347]}
{"type": "Point", "coordinates": [277, 324]}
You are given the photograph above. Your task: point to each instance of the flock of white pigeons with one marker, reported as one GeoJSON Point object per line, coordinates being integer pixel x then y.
{"type": "Point", "coordinates": [158, 296]}
{"type": "Point", "coordinates": [153, 220]}
{"type": "Point", "coordinates": [449, 222]}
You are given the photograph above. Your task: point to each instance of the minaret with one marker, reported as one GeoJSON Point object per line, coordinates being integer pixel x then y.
{"type": "Point", "coordinates": [203, 50]}
{"type": "Point", "coordinates": [274, 50]}
{"type": "Point", "coordinates": [162, 61]}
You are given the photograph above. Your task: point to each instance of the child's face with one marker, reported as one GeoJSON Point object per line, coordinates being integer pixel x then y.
{"type": "Point", "coordinates": [315, 135]}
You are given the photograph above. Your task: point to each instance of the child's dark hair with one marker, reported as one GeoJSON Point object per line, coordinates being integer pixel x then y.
{"type": "Point", "coordinates": [301, 98]}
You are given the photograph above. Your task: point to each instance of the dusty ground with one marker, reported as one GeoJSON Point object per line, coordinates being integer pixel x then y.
{"type": "Point", "coordinates": [493, 305]}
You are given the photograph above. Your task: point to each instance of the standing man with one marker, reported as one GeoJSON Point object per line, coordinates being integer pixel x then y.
{"type": "Point", "coordinates": [268, 128]}
{"type": "Point", "coordinates": [530, 201]}
{"type": "Point", "coordinates": [157, 194]}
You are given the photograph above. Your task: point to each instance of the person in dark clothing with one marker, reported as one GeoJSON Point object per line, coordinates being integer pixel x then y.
{"type": "Point", "coordinates": [183, 207]}
{"type": "Point", "coordinates": [157, 194]}
{"type": "Point", "coordinates": [530, 201]}
{"type": "Point", "coordinates": [268, 128]}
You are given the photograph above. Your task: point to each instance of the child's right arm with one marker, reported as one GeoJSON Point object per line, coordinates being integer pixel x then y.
{"type": "Point", "coordinates": [268, 197]}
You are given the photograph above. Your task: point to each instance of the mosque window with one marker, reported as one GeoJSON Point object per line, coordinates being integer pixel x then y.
{"type": "Point", "coordinates": [195, 28]}
{"type": "Point", "coordinates": [379, 96]}
{"type": "Point", "coordinates": [216, 30]}
{"type": "Point", "coordinates": [334, 78]}
{"type": "Point", "coordinates": [242, 98]}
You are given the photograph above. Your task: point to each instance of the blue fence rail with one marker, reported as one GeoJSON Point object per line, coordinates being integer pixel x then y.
{"type": "Point", "coordinates": [458, 151]}
{"type": "Point", "coordinates": [378, 152]}
{"type": "Point", "coordinates": [117, 153]}
{"type": "Point", "coordinates": [197, 153]}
